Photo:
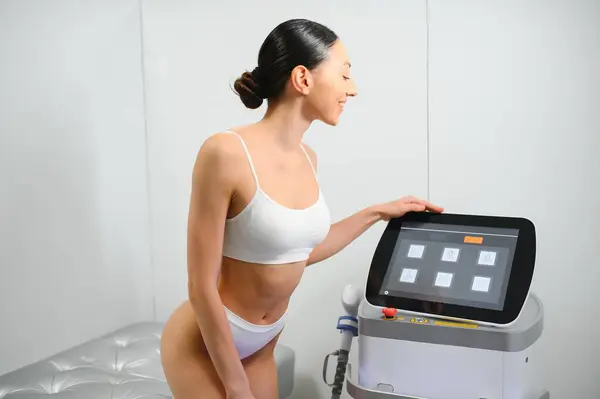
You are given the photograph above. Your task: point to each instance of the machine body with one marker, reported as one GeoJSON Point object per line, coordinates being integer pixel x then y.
{"type": "Point", "coordinates": [447, 312]}
{"type": "Point", "coordinates": [407, 356]}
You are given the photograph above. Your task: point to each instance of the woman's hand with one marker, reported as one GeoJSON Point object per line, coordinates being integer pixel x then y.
{"type": "Point", "coordinates": [404, 205]}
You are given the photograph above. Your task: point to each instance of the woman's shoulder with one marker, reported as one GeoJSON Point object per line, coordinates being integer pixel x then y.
{"type": "Point", "coordinates": [221, 145]}
{"type": "Point", "coordinates": [220, 151]}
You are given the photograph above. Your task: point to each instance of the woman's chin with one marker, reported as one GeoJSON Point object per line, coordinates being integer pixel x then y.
{"type": "Point", "coordinates": [332, 120]}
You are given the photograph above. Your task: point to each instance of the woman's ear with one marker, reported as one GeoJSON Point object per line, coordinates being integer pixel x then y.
{"type": "Point", "coordinates": [301, 79]}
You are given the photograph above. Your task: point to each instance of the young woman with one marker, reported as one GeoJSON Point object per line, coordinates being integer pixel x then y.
{"type": "Point", "coordinates": [257, 218]}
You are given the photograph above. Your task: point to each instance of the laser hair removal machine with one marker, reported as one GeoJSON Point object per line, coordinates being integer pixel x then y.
{"type": "Point", "coordinates": [447, 313]}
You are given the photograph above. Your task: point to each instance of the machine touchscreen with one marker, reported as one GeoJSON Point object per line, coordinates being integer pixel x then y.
{"type": "Point", "coordinates": [459, 266]}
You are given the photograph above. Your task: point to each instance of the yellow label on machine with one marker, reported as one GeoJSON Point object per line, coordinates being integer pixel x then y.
{"type": "Point", "coordinates": [454, 324]}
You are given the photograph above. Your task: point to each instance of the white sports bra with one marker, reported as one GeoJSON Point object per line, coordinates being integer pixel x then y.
{"type": "Point", "coordinates": [266, 232]}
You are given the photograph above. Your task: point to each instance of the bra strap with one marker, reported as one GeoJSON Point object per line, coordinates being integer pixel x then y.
{"type": "Point", "coordinates": [309, 161]}
{"type": "Point", "coordinates": [247, 155]}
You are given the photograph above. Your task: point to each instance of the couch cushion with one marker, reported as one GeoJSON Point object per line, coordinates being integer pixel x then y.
{"type": "Point", "coordinates": [124, 364]}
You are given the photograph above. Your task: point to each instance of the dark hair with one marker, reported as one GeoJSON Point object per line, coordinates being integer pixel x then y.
{"type": "Point", "coordinates": [292, 43]}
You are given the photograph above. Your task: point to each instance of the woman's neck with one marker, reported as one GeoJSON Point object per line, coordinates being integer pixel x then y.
{"type": "Point", "coordinates": [286, 123]}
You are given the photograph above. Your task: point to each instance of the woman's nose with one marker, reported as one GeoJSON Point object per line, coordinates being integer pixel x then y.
{"type": "Point", "coordinates": [352, 90]}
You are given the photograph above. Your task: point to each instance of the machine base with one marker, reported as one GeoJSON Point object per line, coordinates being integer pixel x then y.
{"type": "Point", "coordinates": [358, 392]}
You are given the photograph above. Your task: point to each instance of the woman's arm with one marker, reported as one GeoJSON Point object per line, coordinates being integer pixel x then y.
{"type": "Point", "coordinates": [342, 233]}
{"type": "Point", "coordinates": [212, 186]}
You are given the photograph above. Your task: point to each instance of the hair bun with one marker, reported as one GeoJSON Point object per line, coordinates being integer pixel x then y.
{"type": "Point", "coordinates": [248, 90]}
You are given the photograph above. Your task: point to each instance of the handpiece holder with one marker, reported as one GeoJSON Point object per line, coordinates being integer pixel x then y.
{"type": "Point", "coordinates": [348, 327]}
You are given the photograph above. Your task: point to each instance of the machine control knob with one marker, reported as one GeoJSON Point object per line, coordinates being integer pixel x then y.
{"type": "Point", "coordinates": [389, 313]}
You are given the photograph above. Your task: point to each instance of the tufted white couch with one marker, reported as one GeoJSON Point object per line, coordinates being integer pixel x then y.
{"type": "Point", "coordinates": [124, 364]}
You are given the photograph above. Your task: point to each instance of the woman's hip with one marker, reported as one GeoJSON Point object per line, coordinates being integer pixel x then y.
{"type": "Point", "coordinates": [182, 335]}
{"type": "Point", "coordinates": [189, 370]}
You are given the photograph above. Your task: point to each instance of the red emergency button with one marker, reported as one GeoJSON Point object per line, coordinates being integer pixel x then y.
{"type": "Point", "coordinates": [389, 313]}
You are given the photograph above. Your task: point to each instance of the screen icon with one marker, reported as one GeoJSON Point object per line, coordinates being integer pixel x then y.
{"type": "Point", "coordinates": [473, 240]}
{"type": "Point", "coordinates": [416, 251]}
{"type": "Point", "coordinates": [450, 254]}
{"type": "Point", "coordinates": [481, 284]}
{"type": "Point", "coordinates": [487, 258]}
{"type": "Point", "coordinates": [444, 279]}
{"type": "Point", "coordinates": [409, 275]}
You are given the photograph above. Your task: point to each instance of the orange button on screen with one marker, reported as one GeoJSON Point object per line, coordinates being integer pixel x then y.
{"type": "Point", "coordinates": [473, 240]}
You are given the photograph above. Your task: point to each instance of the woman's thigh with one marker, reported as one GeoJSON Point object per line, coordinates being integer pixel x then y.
{"type": "Point", "coordinates": [192, 375]}
{"type": "Point", "coordinates": [193, 378]}
{"type": "Point", "coordinates": [197, 378]}
{"type": "Point", "coordinates": [186, 365]}
{"type": "Point", "coordinates": [261, 371]}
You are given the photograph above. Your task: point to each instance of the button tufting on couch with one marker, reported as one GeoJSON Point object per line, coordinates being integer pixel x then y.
{"type": "Point", "coordinates": [124, 364]}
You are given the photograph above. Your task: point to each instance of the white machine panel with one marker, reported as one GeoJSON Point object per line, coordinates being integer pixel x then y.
{"type": "Point", "coordinates": [432, 371]}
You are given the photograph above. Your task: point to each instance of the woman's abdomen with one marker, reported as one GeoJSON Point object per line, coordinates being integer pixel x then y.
{"type": "Point", "coordinates": [258, 293]}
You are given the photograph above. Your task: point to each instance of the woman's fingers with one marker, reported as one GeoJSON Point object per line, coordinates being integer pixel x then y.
{"type": "Point", "coordinates": [428, 205]}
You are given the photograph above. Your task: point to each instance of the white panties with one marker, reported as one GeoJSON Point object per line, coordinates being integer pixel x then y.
{"type": "Point", "coordinates": [248, 337]}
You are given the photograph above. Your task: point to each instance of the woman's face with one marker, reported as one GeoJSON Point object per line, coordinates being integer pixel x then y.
{"type": "Point", "coordinates": [330, 85]}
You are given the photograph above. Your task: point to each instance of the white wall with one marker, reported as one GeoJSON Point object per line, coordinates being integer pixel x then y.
{"type": "Point", "coordinates": [74, 242]}
{"type": "Point", "coordinates": [515, 131]}
{"type": "Point", "coordinates": [511, 84]}
{"type": "Point", "coordinates": [193, 53]}
{"type": "Point", "coordinates": [516, 78]}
